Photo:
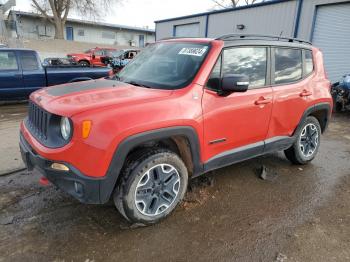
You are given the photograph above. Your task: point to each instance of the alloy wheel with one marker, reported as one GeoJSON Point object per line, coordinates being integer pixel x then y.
{"type": "Point", "coordinates": [157, 189]}
{"type": "Point", "coordinates": [309, 139]}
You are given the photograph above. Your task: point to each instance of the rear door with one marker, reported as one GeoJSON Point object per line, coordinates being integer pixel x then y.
{"type": "Point", "coordinates": [238, 122]}
{"type": "Point", "coordinates": [11, 79]}
{"type": "Point", "coordinates": [34, 76]}
{"type": "Point", "coordinates": [292, 69]}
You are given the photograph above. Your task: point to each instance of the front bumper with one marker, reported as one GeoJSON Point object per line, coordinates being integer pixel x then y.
{"type": "Point", "coordinates": [85, 189]}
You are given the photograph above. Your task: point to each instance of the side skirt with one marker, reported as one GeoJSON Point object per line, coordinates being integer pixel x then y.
{"type": "Point", "coordinates": [247, 152]}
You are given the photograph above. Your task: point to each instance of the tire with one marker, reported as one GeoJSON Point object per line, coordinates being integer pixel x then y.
{"type": "Point", "coordinates": [307, 143]}
{"type": "Point", "coordinates": [152, 184]}
{"type": "Point", "coordinates": [84, 63]}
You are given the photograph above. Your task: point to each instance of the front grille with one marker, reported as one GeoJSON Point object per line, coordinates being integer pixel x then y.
{"type": "Point", "coordinates": [38, 121]}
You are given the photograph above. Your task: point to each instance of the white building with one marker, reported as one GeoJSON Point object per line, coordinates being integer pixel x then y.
{"type": "Point", "coordinates": [34, 26]}
{"type": "Point", "coordinates": [325, 23]}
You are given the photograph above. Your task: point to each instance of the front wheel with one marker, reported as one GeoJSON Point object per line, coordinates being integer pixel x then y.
{"type": "Point", "coordinates": [307, 143]}
{"type": "Point", "coordinates": [153, 183]}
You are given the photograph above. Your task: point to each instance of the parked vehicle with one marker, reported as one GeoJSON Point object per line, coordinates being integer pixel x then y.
{"type": "Point", "coordinates": [21, 73]}
{"type": "Point", "coordinates": [341, 94]}
{"type": "Point", "coordinates": [58, 61]}
{"type": "Point", "coordinates": [94, 56]}
{"type": "Point", "coordinates": [119, 59]}
{"type": "Point", "coordinates": [182, 108]}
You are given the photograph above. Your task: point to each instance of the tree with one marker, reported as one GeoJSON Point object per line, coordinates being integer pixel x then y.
{"type": "Point", "coordinates": [57, 11]}
{"type": "Point", "coordinates": [235, 3]}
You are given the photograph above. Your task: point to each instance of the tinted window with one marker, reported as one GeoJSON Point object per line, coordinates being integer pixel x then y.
{"type": "Point", "coordinates": [215, 76]}
{"type": "Point", "coordinates": [99, 52]}
{"type": "Point", "coordinates": [8, 60]}
{"type": "Point", "coordinates": [249, 61]}
{"type": "Point", "coordinates": [309, 64]}
{"type": "Point", "coordinates": [288, 66]}
{"type": "Point", "coordinates": [29, 61]}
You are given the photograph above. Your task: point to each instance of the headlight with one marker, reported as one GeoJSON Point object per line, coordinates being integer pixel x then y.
{"type": "Point", "coordinates": [66, 128]}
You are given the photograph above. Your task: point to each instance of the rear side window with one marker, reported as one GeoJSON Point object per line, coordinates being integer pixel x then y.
{"type": "Point", "coordinates": [8, 60]}
{"type": "Point", "coordinates": [288, 65]}
{"type": "Point", "coordinates": [249, 61]}
{"type": "Point", "coordinates": [29, 61]}
{"type": "Point", "coordinates": [309, 63]}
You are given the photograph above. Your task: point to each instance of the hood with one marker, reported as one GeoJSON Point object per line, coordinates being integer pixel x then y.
{"type": "Point", "coordinates": [73, 98]}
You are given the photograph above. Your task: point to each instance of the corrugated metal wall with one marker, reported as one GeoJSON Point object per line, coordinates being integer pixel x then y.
{"type": "Point", "coordinates": [332, 35]}
{"type": "Point", "coordinates": [270, 19]}
{"type": "Point", "coordinates": [166, 29]}
{"type": "Point", "coordinates": [307, 16]}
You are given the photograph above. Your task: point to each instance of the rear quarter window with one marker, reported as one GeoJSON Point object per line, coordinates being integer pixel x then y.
{"type": "Point", "coordinates": [309, 63]}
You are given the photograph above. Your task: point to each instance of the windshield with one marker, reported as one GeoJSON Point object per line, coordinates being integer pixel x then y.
{"type": "Point", "coordinates": [167, 65]}
{"type": "Point", "coordinates": [114, 53]}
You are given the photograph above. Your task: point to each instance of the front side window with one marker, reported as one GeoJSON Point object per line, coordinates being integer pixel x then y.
{"type": "Point", "coordinates": [249, 61]}
{"type": "Point", "coordinates": [29, 61]}
{"type": "Point", "coordinates": [8, 60]}
{"type": "Point", "coordinates": [309, 63]}
{"type": "Point", "coordinates": [215, 76]}
{"type": "Point", "coordinates": [98, 52]}
{"type": "Point", "coordinates": [288, 65]}
{"type": "Point", "coordinates": [167, 65]}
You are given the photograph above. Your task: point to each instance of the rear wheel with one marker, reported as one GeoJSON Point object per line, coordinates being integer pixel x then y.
{"type": "Point", "coordinates": [152, 185]}
{"type": "Point", "coordinates": [306, 146]}
{"type": "Point", "coordinates": [84, 63]}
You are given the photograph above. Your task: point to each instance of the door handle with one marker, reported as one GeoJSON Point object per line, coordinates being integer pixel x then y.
{"type": "Point", "coordinates": [305, 93]}
{"type": "Point", "coordinates": [262, 101]}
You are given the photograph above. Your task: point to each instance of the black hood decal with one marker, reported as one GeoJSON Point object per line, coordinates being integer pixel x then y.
{"type": "Point", "coordinates": [82, 86]}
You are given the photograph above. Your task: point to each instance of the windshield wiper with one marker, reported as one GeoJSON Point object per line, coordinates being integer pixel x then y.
{"type": "Point", "coordinates": [137, 84]}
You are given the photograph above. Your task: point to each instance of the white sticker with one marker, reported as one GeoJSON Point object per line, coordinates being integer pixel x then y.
{"type": "Point", "coordinates": [194, 51]}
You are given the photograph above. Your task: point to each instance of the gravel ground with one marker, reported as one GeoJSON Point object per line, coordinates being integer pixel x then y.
{"type": "Point", "coordinates": [296, 214]}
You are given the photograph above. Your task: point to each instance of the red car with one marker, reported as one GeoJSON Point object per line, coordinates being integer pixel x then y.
{"type": "Point", "coordinates": [181, 108]}
{"type": "Point", "coordinates": [94, 56]}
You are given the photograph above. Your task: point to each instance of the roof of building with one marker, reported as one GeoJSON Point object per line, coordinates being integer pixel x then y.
{"type": "Point", "coordinates": [268, 2]}
{"type": "Point", "coordinates": [72, 20]}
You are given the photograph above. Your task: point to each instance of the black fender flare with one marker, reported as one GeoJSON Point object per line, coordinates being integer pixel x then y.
{"type": "Point", "coordinates": [312, 109]}
{"type": "Point", "coordinates": [107, 185]}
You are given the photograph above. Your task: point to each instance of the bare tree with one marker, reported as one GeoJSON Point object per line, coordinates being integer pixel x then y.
{"type": "Point", "coordinates": [235, 3]}
{"type": "Point", "coordinates": [57, 11]}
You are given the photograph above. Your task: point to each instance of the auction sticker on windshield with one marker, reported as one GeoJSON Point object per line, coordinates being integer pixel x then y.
{"type": "Point", "coordinates": [193, 51]}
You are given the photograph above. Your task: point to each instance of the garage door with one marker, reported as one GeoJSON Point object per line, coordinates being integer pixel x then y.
{"type": "Point", "coordinates": [332, 35]}
{"type": "Point", "coordinates": [188, 30]}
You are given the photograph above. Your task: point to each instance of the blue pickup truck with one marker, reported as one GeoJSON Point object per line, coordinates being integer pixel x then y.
{"type": "Point", "coordinates": [21, 73]}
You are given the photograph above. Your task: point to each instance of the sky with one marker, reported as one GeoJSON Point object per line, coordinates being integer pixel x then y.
{"type": "Point", "coordinates": [143, 13]}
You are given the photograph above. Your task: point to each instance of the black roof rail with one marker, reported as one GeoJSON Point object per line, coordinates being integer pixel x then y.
{"type": "Point", "coordinates": [271, 37]}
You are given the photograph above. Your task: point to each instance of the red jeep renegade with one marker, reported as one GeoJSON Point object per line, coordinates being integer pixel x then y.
{"type": "Point", "coordinates": [181, 108]}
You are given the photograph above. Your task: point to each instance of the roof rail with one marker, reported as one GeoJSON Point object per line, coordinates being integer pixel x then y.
{"type": "Point", "coordinates": [271, 37]}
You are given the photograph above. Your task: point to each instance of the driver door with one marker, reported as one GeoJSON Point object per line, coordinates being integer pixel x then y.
{"type": "Point", "coordinates": [96, 57]}
{"type": "Point", "coordinates": [236, 124]}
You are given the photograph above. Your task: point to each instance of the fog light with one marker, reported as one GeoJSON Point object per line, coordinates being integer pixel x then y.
{"type": "Point", "coordinates": [78, 188]}
{"type": "Point", "coordinates": [58, 166]}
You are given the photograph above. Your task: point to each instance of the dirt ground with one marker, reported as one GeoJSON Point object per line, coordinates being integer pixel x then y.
{"type": "Point", "coordinates": [297, 214]}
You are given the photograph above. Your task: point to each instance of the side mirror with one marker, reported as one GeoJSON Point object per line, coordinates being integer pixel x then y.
{"type": "Point", "coordinates": [234, 83]}
{"type": "Point", "coordinates": [93, 56]}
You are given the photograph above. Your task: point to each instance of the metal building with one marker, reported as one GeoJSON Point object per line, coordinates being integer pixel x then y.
{"type": "Point", "coordinates": [326, 23]}
{"type": "Point", "coordinates": [33, 26]}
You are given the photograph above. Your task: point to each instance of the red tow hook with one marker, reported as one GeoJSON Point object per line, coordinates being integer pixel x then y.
{"type": "Point", "coordinates": [44, 181]}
